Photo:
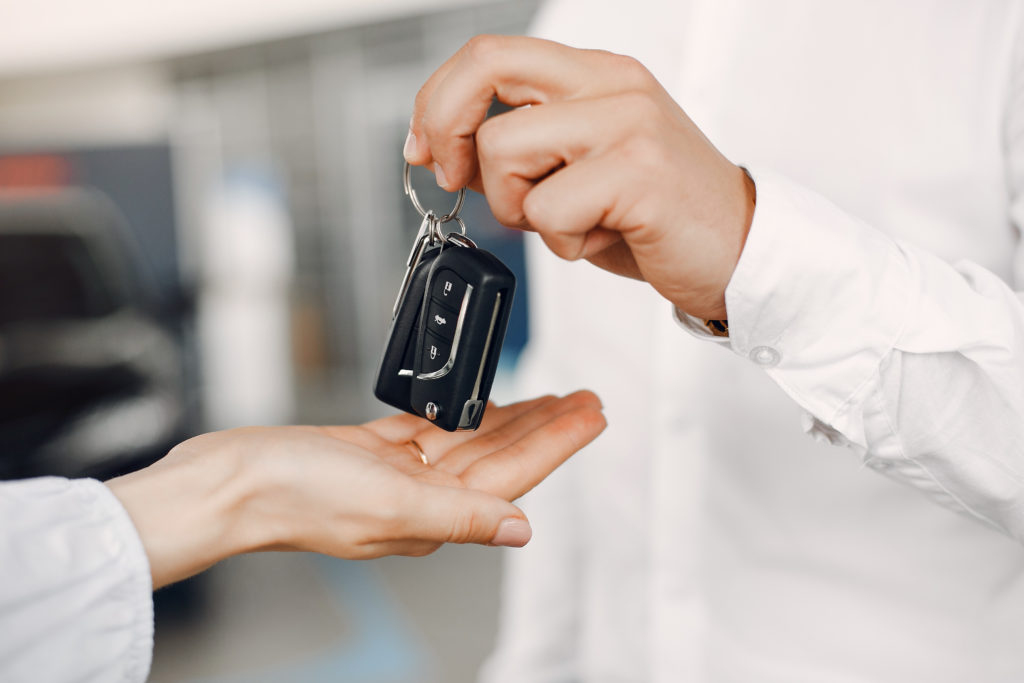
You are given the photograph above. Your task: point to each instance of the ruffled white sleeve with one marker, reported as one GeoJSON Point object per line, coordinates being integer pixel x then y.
{"type": "Point", "coordinates": [75, 586]}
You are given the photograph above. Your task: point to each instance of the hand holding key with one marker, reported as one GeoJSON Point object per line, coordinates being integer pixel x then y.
{"type": "Point", "coordinates": [603, 164]}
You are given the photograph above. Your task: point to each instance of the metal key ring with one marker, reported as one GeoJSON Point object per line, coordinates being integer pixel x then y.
{"type": "Point", "coordinates": [453, 215]}
{"type": "Point", "coordinates": [437, 236]}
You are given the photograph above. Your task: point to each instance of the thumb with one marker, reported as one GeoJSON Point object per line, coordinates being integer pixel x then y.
{"type": "Point", "coordinates": [451, 515]}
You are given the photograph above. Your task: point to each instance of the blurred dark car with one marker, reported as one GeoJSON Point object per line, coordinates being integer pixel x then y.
{"type": "Point", "coordinates": [90, 372]}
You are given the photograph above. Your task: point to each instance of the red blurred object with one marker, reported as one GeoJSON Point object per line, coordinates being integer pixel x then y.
{"type": "Point", "coordinates": [34, 172]}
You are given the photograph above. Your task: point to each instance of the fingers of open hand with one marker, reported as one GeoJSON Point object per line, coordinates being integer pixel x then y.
{"type": "Point", "coordinates": [442, 514]}
{"type": "Point", "coordinates": [403, 517]}
{"type": "Point", "coordinates": [437, 443]}
{"type": "Point", "coordinates": [518, 467]}
{"type": "Point", "coordinates": [390, 437]}
{"type": "Point", "coordinates": [505, 435]}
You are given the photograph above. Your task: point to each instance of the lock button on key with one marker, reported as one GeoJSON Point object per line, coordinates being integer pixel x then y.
{"type": "Point", "coordinates": [448, 288]}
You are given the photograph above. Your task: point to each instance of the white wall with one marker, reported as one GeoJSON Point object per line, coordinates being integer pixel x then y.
{"type": "Point", "coordinates": [57, 35]}
{"type": "Point", "coordinates": [111, 105]}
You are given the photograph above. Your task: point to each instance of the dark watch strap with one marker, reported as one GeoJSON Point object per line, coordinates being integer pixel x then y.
{"type": "Point", "coordinates": [719, 328]}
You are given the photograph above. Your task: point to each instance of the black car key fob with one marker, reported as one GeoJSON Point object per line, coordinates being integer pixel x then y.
{"type": "Point", "coordinates": [447, 327]}
{"type": "Point", "coordinates": [461, 329]}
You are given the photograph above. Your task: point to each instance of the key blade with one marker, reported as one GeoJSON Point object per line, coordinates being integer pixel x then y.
{"type": "Point", "coordinates": [424, 231]}
{"type": "Point", "coordinates": [417, 254]}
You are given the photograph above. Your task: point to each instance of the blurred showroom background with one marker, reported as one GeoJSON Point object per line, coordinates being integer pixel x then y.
{"type": "Point", "coordinates": [202, 226]}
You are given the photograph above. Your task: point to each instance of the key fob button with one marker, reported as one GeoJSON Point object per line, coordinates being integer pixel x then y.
{"type": "Point", "coordinates": [448, 288]}
{"type": "Point", "coordinates": [441, 321]}
{"type": "Point", "coordinates": [435, 353]}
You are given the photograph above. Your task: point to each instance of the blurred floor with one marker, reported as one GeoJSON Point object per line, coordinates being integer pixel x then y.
{"type": "Point", "coordinates": [276, 617]}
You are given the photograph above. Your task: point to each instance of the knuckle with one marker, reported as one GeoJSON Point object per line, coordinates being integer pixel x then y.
{"type": "Point", "coordinates": [509, 217]}
{"type": "Point", "coordinates": [632, 72]}
{"type": "Point", "coordinates": [483, 47]}
{"type": "Point", "coordinates": [566, 248]}
{"type": "Point", "coordinates": [506, 209]}
{"type": "Point", "coordinates": [535, 209]}
{"type": "Point", "coordinates": [432, 125]}
{"type": "Point", "coordinates": [645, 146]}
{"type": "Point", "coordinates": [490, 137]}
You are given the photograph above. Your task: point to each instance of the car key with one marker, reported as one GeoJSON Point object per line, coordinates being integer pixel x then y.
{"type": "Point", "coordinates": [461, 329]}
{"type": "Point", "coordinates": [448, 325]}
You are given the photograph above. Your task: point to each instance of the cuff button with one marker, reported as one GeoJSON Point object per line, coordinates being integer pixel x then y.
{"type": "Point", "coordinates": [765, 356]}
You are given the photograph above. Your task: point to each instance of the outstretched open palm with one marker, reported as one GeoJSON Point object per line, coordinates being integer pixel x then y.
{"type": "Point", "coordinates": [352, 491]}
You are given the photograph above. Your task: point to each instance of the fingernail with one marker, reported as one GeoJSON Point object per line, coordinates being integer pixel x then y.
{"type": "Point", "coordinates": [410, 146]}
{"type": "Point", "coordinates": [512, 532]}
{"type": "Point", "coordinates": [442, 181]}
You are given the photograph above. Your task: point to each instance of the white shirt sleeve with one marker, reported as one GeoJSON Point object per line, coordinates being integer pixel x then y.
{"type": "Point", "coordinates": [75, 586]}
{"type": "Point", "coordinates": [916, 363]}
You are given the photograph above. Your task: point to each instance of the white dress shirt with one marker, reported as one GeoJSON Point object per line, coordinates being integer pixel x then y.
{"type": "Point", "coordinates": [75, 589]}
{"type": "Point", "coordinates": [706, 536]}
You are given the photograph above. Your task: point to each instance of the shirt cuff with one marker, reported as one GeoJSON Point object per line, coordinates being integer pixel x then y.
{"type": "Point", "coordinates": [818, 299]}
{"type": "Point", "coordinates": [76, 597]}
{"type": "Point", "coordinates": [696, 327]}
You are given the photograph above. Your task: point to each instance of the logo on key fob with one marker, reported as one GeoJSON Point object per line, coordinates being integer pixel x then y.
{"type": "Point", "coordinates": [448, 325]}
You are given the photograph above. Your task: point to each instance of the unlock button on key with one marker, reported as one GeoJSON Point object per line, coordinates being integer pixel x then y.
{"type": "Point", "coordinates": [435, 353]}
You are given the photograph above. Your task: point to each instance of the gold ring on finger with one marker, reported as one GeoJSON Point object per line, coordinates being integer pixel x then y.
{"type": "Point", "coordinates": [419, 450]}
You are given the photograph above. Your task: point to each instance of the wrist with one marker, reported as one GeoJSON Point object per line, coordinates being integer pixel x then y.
{"type": "Point", "coordinates": [713, 305]}
{"type": "Point", "coordinates": [189, 509]}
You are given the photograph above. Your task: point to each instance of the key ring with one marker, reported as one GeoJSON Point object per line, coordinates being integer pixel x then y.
{"type": "Point", "coordinates": [438, 237]}
{"type": "Point", "coordinates": [453, 215]}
